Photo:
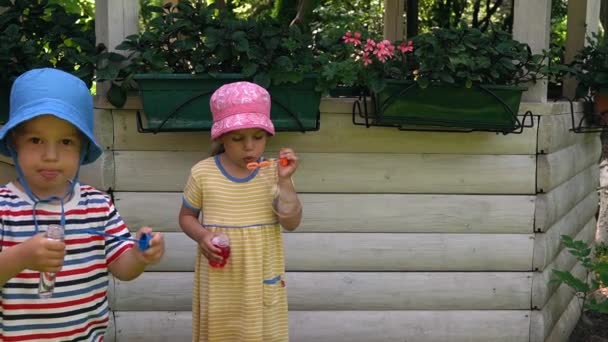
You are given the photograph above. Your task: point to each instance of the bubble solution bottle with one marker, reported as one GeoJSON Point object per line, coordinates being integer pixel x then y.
{"type": "Point", "coordinates": [47, 279]}
{"type": "Point", "coordinates": [223, 243]}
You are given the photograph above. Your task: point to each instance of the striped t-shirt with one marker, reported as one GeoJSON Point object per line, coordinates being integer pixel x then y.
{"type": "Point", "coordinates": [78, 309]}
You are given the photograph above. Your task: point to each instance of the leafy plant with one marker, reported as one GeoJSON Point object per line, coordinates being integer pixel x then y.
{"type": "Point", "coordinates": [590, 66]}
{"type": "Point", "coordinates": [36, 33]}
{"type": "Point", "coordinates": [197, 38]}
{"type": "Point", "coordinates": [462, 56]}
{"type": "Point", "coordinates": [597, 266]}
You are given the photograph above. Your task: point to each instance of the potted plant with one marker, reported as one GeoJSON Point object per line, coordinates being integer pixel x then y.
{"type": "Point", "coordinates": [590, 68]}
{"type": "Point", "coordinates": [447, 79]}
{"type": "Point", "coordinates": [35, 34]}
{"type": "Point", "coordinates": [190, 49]}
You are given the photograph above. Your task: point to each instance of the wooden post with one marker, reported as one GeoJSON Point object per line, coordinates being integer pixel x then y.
{"type": "Point", "coordinates": [583, 20]}
{"type": "Point", "coordinates": [114, 20]}
{"type": "Point", "coordinates": [393, 20]}
{"type": "Point", "coordinates": [532, 25]}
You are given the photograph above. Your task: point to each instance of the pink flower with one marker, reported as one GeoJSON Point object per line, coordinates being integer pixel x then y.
{"type": "Point", "coordinates": [349, 39]}
{"type": "Point", "coordinates": [384, 50]}
{"type": "Point", "coordinates": [366, 60]}
{"type": "Point", "coordinates": [406, 48]}
{"type": "Point", "coordinates": [370, 45]}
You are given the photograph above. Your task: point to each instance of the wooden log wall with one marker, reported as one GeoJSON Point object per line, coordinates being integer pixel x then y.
{"type": "Point", "coordinates": [406, 235]}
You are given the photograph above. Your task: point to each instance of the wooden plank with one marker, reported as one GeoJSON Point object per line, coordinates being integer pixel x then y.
{"type": "Point", "coordinates": [393, 20]}
{"type": "Point", "coordinates": [567, 322]}
{"type": "Point", "coordinates": [531, 25]}
{"type": "Point", "coordinates": [336, 134]}
{"type": "Point", "coordinates": [348, 326]}
{"type": "Point", "coordinates": [554, 131]}
{"type": "Point", "coordinates": [543, 321]}
{"type": "Point", "coordinates": [381, 252]}
{"type": "Point", "coordinates": [389, 213]}
{"type": "Point", "coordinates": [553, 205]}
{"type": "Point", "coordinates": [172, 291]}
{"type": "Point", "coordinates": [114, 20]}
{"type": "Point", "coordinates": [582, 22]}
{"type": "Point", "coordinates": [542, 285]}
{"type": "Point", "coordinates": [555, 168]}
{"type": "Point", "coordinates": [7, 173]}
{"type": "Point", "coordinates": [99, 174]}
{"type": "Point", "coordinates": [548, 244]}
{"type": "Point", "coordinates": [104, 128]}
{"type": "Point", "coordinates": [352, 172]}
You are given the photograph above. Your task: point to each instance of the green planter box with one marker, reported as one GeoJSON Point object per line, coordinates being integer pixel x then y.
{"type": "Point", "coordinates": [446, 107]}
{"type": "Point", "coordinates": [180, 102]}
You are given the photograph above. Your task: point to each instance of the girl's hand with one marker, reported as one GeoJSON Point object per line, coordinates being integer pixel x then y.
{"type": "Point", "coordinates": [210, 252]}
{"type": "Point", "coordinates": [42, 254]}
{"type": "Point", "coordinates": [288, 170]}
{"type": "Point", "coordinates": [155, 252]}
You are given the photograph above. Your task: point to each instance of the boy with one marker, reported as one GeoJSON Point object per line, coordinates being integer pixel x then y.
{"type": "Point", "coordinates": [49, 135]}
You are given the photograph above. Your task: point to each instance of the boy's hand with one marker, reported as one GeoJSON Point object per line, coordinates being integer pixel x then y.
{"type": "Point", "coordinates": [210, 252]}
{"type": "Point", "coordinates": [290, 155]}
{"type": "Point", "coordinates": [42, 254]}
{"type": "Point", "coordinates": [155, 252]}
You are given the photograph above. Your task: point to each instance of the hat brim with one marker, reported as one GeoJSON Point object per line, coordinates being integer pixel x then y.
{"type": "Point", "coordinates": [58, 109]}
{"type": "Point", "coordinates": [241, 121]}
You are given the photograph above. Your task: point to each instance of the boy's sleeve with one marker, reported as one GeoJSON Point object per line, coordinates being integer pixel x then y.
{"type": "Point", "coordinates": [193, 194]}
{"type": "Point", "coordinates": [114, 225]}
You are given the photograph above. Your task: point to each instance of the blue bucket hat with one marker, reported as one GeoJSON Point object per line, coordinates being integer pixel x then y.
{"type": "Point", "coordinates": [55, 92]}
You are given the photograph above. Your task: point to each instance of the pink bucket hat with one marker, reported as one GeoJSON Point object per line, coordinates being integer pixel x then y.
{"type": "Point", "coordinates": [240, 105]}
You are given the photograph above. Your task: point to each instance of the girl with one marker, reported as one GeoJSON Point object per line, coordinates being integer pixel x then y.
{"type": "Point", "coordinates": [245, 300]}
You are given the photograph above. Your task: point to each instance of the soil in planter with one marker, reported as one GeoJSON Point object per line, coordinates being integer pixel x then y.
{"type": "Point", "coordinates": [597, 331]}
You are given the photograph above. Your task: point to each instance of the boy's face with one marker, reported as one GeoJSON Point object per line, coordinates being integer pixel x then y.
{"type": "Point", "coordinates": [244, 146]}
{"type": "Point", "coordinates": [48, 151]}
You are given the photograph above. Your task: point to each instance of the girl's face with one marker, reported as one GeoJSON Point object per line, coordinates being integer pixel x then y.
{"type": "Point", "coordinates": [244, 146]}
{"type": "Point", "coordinates": [48, 151]}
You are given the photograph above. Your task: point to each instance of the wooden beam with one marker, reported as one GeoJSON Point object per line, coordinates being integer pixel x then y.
{"type": "Point", "coordinates": [531, 25]}
{"type": "Point", "coordinates": [381, 213]}
{"type": "Point", "coordinates": [553, 205]}
{"type": "Point", "coordinates": [346, 326]}
{"type": "Point", "coordinates": [393, 20]}
{"type": "Point", "coordinates": [114, 20]}
{"type": "Point", "coordinates": [334, 172]}
{"type": "Point", "coordinates": [583, 21]}
{"type": "Point", "coordinates": [380, 252]}
{"type": "Point", "coordinates": [556, 168]}
{"type": "Point", "coordinates": [172, 291]}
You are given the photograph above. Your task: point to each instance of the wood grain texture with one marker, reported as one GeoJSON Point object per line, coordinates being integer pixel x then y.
{"type": "Point", "coordinates": [346, 326]}
{"type": "Point", "coordinates": [361, 213]}
{"type": "Point", "coordinates": [352, 172]}
{"type": "Point", "coordinates": [556, 168]}
{"type": "Point", "coordinates": [337, 134]}
{"type": "Point", "coordinates": [380, 252]}
{"type": "Point", "coordinates": [548, 244]}
{"type": "Point", "coordinates": [172, 291]}
{"type": "Point", "coordinates": [553, 205]}
{"type": "Point", "coordinates": [543, 286]}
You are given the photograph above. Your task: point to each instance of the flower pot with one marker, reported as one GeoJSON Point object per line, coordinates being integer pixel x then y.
{"type": "Point", "coordinates": [180, 102]}
{"type": "Point", "coordinates": [447, 107]}
{"type": "Point", "coordinates": [345, 91]}
{"type": "Point", "coordinates": [600, 100]}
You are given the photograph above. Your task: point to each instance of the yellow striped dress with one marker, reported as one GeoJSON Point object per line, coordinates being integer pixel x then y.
{"type": "Point", "coordinates": [246, 300]}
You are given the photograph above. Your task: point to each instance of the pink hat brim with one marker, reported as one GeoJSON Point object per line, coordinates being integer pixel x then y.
{"type": "Point", "coordinates": [241, 121]}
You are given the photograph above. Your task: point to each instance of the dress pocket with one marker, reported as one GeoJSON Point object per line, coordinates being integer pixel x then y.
{"type": "Point", "coordinates": [274, 289]}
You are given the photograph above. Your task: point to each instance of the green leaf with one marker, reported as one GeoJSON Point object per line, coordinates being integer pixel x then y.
{"type": "Point", "coordinates": [263, 79]}
{"type": "Point", "coordinates": [249, 70]}
{"type": "Point", "coordinates": [116, 96]}
{"type": "Point", "coordinates": [445, 77]}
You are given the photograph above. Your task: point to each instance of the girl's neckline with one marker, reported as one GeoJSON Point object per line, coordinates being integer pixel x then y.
{"type": "Point", "coordinates": [230, 177]}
